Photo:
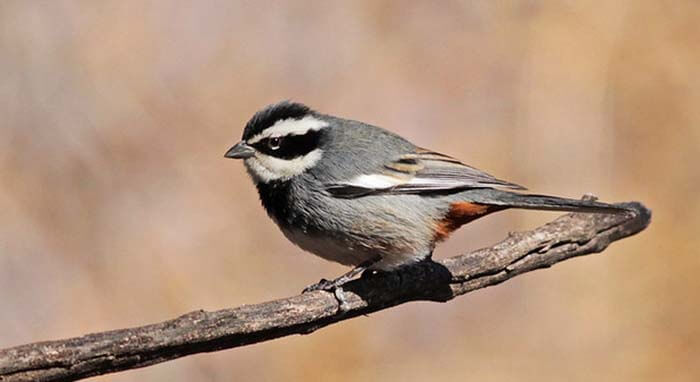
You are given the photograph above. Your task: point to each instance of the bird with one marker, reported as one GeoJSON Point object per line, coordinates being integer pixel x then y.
{"type": "Point", "coordinates": [365, 197]}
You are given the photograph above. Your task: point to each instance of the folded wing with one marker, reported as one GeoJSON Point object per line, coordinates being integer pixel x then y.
{"type": "Point", "coordinates": [420, 172]}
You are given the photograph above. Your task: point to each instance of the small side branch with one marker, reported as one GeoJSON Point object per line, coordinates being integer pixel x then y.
{"type": "Point", "coordinates": [101, 353]}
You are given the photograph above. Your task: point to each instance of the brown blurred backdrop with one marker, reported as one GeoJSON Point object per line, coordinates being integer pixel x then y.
{"type": "Point", "coordinates": [118, 209]}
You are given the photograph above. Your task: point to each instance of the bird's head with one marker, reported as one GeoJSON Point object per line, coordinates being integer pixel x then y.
{"type": "Point", "coordinates": [280, 142]}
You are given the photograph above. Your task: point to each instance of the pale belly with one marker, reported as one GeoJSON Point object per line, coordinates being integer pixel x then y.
{"type": "Point", "coordinates": [344, 252]}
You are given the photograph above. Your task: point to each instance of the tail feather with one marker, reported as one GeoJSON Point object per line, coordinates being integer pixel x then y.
{"type": "Point", "coordinates": [509, 199]}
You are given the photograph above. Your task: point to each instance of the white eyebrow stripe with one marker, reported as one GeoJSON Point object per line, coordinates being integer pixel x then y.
{"type": "Point", "coordinates": [290, 126]}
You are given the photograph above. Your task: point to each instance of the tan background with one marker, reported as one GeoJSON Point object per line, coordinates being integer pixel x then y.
{"type": "Point", "coordinates": [117, 207]}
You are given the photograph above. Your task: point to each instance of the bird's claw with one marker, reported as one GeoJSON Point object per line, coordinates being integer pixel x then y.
{"type": "Point", "coordinates": [334, 287]}
{"type": "Point", "coordinates": [321, 285]}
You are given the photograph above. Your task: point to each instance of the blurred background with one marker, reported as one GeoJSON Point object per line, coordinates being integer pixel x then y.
{"type": "Point", "coordinates": [118, 209]}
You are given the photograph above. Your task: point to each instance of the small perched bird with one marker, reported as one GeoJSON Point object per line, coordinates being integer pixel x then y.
{"type": "Point", "coordinates": [360, 195]}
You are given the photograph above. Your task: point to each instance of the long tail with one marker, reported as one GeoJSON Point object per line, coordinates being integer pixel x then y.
{"type": "Point", "coordinates": [508, 199]}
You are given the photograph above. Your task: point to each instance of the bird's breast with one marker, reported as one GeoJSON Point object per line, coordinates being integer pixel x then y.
{"type": "Point", "coordinates": [327, 246]}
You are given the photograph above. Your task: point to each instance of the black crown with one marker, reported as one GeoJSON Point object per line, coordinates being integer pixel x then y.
{"type": "Point", "coordinates": [273, 113]}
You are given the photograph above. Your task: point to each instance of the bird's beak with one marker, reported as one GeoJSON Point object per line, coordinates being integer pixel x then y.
{"type": "Point", "coordinates": [240, 151]}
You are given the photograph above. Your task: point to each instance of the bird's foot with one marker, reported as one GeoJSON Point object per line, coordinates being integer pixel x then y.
{"type": "Point", "coordinates": [327, 285]}
{"type": "Point", "coordinates": [333, 284]}
{"type": "Point", "coordinates": [335, 287]}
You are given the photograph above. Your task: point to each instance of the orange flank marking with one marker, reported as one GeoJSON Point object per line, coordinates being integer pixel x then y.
{"type": "Point", "coordinates": [461, 213]}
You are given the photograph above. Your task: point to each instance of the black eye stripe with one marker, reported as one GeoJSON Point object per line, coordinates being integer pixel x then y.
{"type": "Point", "coordinates": [291, 146]}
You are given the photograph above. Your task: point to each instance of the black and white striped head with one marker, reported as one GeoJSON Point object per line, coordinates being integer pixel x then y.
{"type": "Point", "coordinates": [280, 141]}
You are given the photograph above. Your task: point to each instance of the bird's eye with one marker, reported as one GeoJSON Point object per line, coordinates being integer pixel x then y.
{"type": "Point", "coordinates": [274, 143]}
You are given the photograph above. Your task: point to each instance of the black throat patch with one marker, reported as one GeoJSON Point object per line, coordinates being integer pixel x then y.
{"type": "Point", "coordinates": [275, 197]}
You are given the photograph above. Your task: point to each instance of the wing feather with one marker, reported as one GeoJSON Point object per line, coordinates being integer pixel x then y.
{"type": "Point", "coordinates": [421, 172]}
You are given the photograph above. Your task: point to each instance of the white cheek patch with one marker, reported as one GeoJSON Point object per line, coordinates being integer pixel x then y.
{"type": "Point", "coordinates": [264, 168]}
{"type": "Point", "coordinates": [290, 127]}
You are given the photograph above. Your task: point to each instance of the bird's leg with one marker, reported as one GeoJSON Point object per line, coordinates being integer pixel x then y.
{"type": "Point", "coordinates": [333, 284]}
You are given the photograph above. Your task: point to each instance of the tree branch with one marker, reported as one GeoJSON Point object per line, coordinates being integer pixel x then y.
{"type": "Point", "coordinates": [101, 353]}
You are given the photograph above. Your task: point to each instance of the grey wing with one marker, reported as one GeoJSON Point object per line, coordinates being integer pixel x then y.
{"type": "Point", "coordinates": [420, 172]}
